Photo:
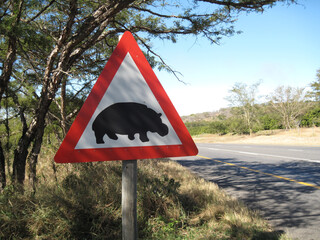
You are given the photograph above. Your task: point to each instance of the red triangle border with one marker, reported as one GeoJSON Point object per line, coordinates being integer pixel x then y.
{"type": "Point", "coordinates": [67, 152]}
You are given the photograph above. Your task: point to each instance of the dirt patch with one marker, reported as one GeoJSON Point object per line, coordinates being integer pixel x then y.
{"type": "Point", "coordinates": [301, 136]}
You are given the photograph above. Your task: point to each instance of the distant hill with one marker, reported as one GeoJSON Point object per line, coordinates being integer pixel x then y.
{"type": "Point", "coordinates": [207, 116]}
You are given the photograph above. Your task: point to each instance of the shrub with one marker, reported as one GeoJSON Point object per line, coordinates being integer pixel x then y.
{"type": "Point", "coordinates": [270, 123]}
{"type": "Point", "coordinates": [237, 126]}
{"type": "Point", "coordinates": [218, 127]}
{"type": "Point", "coordinates": [311, 118]}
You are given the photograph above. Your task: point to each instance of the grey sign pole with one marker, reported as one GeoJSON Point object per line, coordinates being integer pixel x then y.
{"type": "Point", "coordinates": [129, 200]}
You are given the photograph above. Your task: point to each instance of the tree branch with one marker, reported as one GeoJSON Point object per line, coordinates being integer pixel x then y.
{"type": "Point", "coordinates": [41, 11]}
{"type": "Point", "coordinates": [11, 53]}
{"type": "Point", "coordinates": [163, 62]}
{"type": "Point", "coordinates": [240, 5]}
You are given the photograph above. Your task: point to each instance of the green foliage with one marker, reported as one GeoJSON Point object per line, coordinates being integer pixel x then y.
{"type": "Point", "coordinates": [315, 93]}
{"type": "Point", "coordinates": [162, 228]}
{"type": "Point", "coordinates": [266, 119]}
{"type": "Point", "coordinates": [218, 127]}
{"type": "Point", "coordinates": [232, 125]}
{"type": "Point", "coordinates": [214, 127]}
{"type": "Point", "coordinates": [237, 125]}
{"type": "Point", "coordinates": [196, 128]}
{"type": "Point", "coordinates": [269, 122]}
{"type": "Point", "coordinates": [311, 118]}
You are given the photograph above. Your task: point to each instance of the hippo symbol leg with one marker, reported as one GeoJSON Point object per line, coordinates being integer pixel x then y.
{"type": "Point", "coordinates": [143, 137]}
{"type": "Point", "coordinates": [112, 135]}
{"type": "Point", "coordinates": [131, 136]}
{"type": "Point", "coordinates": [99, 137]}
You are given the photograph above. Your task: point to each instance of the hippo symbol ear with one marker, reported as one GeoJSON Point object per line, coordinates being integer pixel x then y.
{"type": "Point", "coordinates": [159, 114]}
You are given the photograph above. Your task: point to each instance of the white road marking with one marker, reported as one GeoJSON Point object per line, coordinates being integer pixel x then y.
{"type": "Point", "coordinates": [266, 155]}
{"type": "Point", "coordinates": [295, 150]}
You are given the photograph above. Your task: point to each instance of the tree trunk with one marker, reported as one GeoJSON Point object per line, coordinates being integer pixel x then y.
{"type": "Point", "coordinates": [63, 106]}
{"type": "Point", "coordinates": [19, 161]}
{"type": "Point", "coordinates": [2, 169]}
{"type": "Point", "coordinates": [7, 65]}
{"type": "Point", "coordinates": [34, 133]}
{"type": "Point", "coordinates": [4, 81]}
{"type": "Point", "coordinates": [33, 158]}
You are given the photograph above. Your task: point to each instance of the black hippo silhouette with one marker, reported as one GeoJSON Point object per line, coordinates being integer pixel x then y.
{"type": "Point", "coordinates": [128, 118]}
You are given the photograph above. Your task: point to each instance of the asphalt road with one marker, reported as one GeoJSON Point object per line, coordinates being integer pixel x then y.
{"type": "Point", "coordinates": [282, 182]}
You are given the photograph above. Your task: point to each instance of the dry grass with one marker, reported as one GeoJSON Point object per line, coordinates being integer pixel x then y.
{"type": "Point", "coordinates": [224, 216]}
{"type": "Point", "coordinates": [301, 136]}
{"type": "Point", "coordinates": [83, 201]}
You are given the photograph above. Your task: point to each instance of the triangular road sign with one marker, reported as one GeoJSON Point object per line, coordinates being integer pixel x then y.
{"type": "Point", "coordinates": [127, 115]}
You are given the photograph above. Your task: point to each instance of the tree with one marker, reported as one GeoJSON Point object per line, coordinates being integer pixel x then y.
{"type": "Point", "coordinates": [9, 21]}
{"type": "Point", "coordinates": [311, 118]}
{"type": "Point", "coordinates": [52, 50]}
{"type": "Point", "coordinates": [315, 93]}
{"type": "Point", "coordinates": [290, 103]}
{"type": "Point", "coordinates": [268, 118]}
{"type": "Point", "coordinates": [244, 98]}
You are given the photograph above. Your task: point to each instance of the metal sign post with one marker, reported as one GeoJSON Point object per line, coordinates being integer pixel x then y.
{"type": "Point", "coordinates": [129, 200]}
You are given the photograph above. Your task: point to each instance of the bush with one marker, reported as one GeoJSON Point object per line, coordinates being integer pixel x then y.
{"type": "Point", "coordinates": [237, 126]}
{"type": "Point", "coordinates": [214, 127]}
{"type": "Point", "coordinates": [311, 118]}
{"type": "Point", "coordinates": [196, 128]}
{"type": "Point", "coordinates": [218, 127]}
{"type": "Point", "coordinates": [270, 123]}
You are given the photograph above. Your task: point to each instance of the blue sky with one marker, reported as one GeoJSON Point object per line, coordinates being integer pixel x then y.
{"type": "Point", "coordinates": [279, 47]}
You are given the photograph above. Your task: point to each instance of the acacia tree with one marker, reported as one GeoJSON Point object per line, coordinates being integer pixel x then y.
{"type": "Point", "coordinates": [51, 49]}
{"type": "Point", "coordinates": [315, 93]}
{"type": "Point", "coordinates": [244, 98]}
{"type": "Point", "coordinates": [289, 103]}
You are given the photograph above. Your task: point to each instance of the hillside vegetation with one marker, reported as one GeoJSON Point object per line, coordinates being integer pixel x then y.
{"type": "Point", "coordinates": [300, 136]}
{"type": "Point", "coordinates": [233, 121]}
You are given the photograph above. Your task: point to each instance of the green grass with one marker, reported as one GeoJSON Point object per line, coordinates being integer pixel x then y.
{"type": "Point", "coordinates": [83, 201]}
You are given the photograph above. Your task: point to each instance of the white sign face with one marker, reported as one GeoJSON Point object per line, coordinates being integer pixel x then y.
{"type": "Point", "coordinates": [128, 87]}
